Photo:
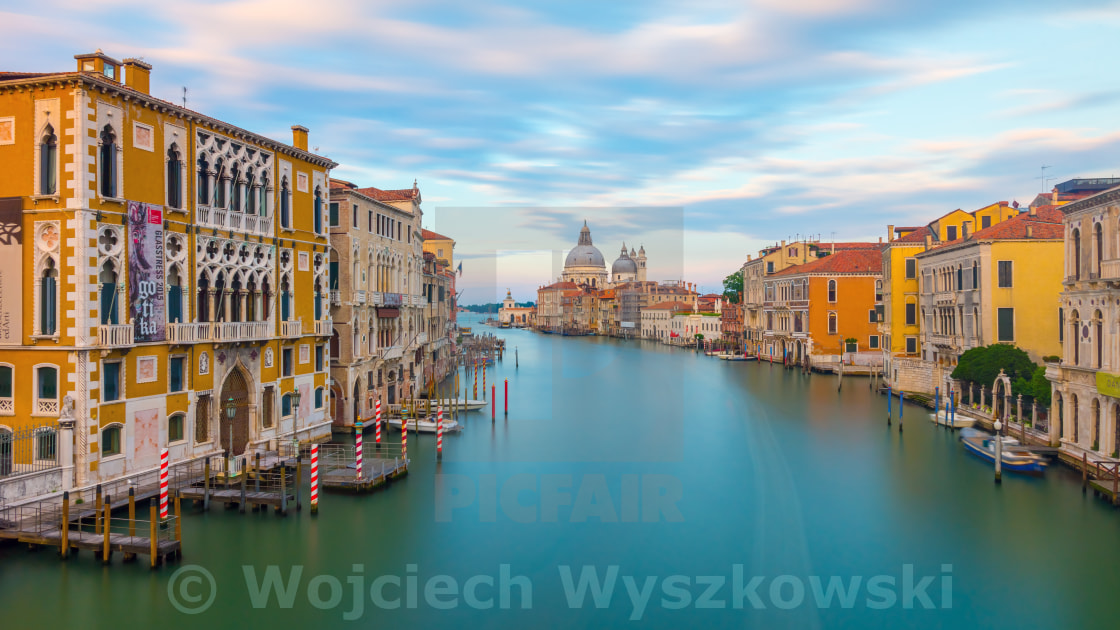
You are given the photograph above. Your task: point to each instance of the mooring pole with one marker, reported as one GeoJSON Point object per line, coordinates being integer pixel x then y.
{"type": "Point", "coordinates": [65, 533]}
{"type": "Point", "coordinates": [108, 527]}
{"type": "Point", "coordinates": [901, 395]}
{"type": "Point", "coordinates": [153, 537]}
{"type": "Point", "coordinates": [507, 396]}
{"type": "Point", "coordinates": [205, 487]}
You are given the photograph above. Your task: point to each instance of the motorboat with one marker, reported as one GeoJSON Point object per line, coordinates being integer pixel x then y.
{"type": "Point", "coordinates": [425, 425]}
{"type": "Point", "coordinates": [955, 420]}
{"type": "Point", "coordinates": [1014, 456]}
{"type": "Point", "coordinates": [469, 404]}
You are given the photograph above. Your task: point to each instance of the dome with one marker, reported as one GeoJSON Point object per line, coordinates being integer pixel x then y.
{"type": "Point", "coordinates": [624, 265]}
{"type": "Point", "coordinates": [585, 254]}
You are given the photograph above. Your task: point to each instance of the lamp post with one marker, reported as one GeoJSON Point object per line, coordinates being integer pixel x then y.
{"type": "Point", "coordinates": [231, 411]}
{"type": "Point", "coordinates": [296, 395]}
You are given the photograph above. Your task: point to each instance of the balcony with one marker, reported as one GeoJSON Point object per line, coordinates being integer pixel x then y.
{"type": "Point", "coordinates": [374, 298]}
{"type": "Point", "coordinates": [188, 333]}
{"type": "Point", "coordinates": [945, 341]}
{"type": "Point", "coordinates": [944, 298]}
{"type": "Point", "coordinates": [1110, 269]}
{"type": "Point", "coordinates": [336, 298]}
{"type": "Point", "coordinates": [114, 335]}
{"type": "Point", "coordinates": [222, 219]}
{"type": "Point", "coordinates": [359, 297]}
{"type": "Point", "coordinates": [324, 328]}
{"type": "Point", "coordinates": [392, 352]}
{"type": "Point", "coordinates": [291, 329]}
{"type": "Point", "coordinates": [229, 332]}
{"type": "Point", "coordinates": [422, 338]}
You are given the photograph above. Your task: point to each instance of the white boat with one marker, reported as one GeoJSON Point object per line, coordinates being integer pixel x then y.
{"type": "Point", "coordinates": [469, 404]}
{"type": "Point", "coordinates": [425, 425]}
{"type": "Point", "coordinates": [1015, 457]}
{"type": "Point", "coordinates": [959, 421]}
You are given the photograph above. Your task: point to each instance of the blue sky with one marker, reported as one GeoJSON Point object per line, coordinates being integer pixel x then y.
{"type": "Point", "coordinates": [745, 122]}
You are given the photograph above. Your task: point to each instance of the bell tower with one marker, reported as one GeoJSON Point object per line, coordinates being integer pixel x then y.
{"type": "Point", "coordinates": [641, 260]}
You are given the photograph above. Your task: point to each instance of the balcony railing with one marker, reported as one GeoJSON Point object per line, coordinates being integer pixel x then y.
{"type": "Point", "coordinates": [392, 352]}
{"type": "Point", "coordinates": [240, 331]}
{"type": "Point", "coordinates": [188, 333]}
{"type": "Point", "coordinates": [49, 407]}
{"type": "Point", "coordinates": [359, 297]}
{"type": "Point", "coordinates": [1110, 269]}
{"type": "Point", "coordinates": [324, 328]}
{"type": "Point", "coordinates": [422, 338]}
{"type": "Point", "coordinates": [115, 335]}
{"type": "Point", "coordinates": [291, 329]}
{"type": "Point", "coordinates": [206, 216]}
{"type": "Point", "coordinates": [375, 298]}
{"type": "Point", "coordinates": [336, 298]}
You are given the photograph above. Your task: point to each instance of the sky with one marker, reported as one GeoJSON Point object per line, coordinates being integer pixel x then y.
{"type": "Point", "coordinates": [703, 130]}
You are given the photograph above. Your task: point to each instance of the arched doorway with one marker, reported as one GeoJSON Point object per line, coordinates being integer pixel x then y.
{"type": "Point", "coordinates": [236, 388]}
{"type": "Point", "coordinates": [336, 406]}
{"type": "Point", "coordinates": [356, 401]}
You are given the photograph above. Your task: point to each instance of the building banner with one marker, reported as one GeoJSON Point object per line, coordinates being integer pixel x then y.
{"type": "Point", "coordinates": [145, 272]}
{"type": "Point", "coordinates": [11, 272]}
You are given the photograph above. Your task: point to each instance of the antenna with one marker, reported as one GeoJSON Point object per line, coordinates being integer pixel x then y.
{"type": "Point", "coordinates": [184, 97]}
{"type": "Point", "coordinates": [1044, 178]}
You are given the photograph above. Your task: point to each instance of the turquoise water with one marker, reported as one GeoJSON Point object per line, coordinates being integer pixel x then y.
{"type": "Point", "coordinates": [683, 473]}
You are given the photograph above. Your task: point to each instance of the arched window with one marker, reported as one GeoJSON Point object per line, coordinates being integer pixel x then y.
{"type": "Point", "coordinates": [1095, 429]}
{"type": "Point", "coordinates": [203, 300]}
{"type": "Point", "coordinates": [286, 405]}
{"type": "Point", "coordinates": [318, 210]}
{"type": "Point", "coordinates": [878, 290]}
{"type": "Point", "coordinates": [832, 323]}
{"type": "Point", "coordinates": [285, 204]}
{"type": "Point", "coordinates": [48, 162]}
{"type": "Point", "coordinates": [235, 188]}
{"type": "Point", "coordinates": [1075, 336]}
{"type": "Point", "coordinates": [318, 397]}
{"type": "Point", "coordinates": [175, 425]}
{"type": "Point", "coordinates": [266, 300]}
{"type": "Point", "coordinates": [262, 206]}
{"type": "Point", "coordinates": [975, 275]}
{"type": "Point", "coordinates": [48, 299]}
{"type": "Point", "coordinates": [111, 440]}
{"type": "Point", "coordinates": [7, 389]}
{"type": "Point", "coordinates": [174, 178]}
{"type": "Point", "coordinates": [285, 300]}
{"type": "Point", "coordinates": [251, 301]}
{"type": "Point", "coordinates": [110, 311]}
{"type": "Point", "coordinates": [220, 179]}
{"type": "Point", "coordinates": [1098, 339]}
{"type": "Point", "coordinates": [251, 195]}
{"type": "Point", "coordinates": [46, 388]}
{"type": "Point", "coordinates": [174, 296]}
{"type": "Point", "coordinates": [831, 290]}
{"type": "Point", "coordinates": [1098, 248]}
{"type": "Point", "coordinates": [107, 172]}
{"type": "Point", "coordinates": [960, 278]}
{"type": "Point", "coordinates": [203, 181]}
{"type": "Point", "coordinates": [1073, 415]}
{"type": "Point", "coordinates": [1075, 240]}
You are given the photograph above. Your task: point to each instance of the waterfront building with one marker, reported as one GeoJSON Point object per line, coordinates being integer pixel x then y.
{"type": "Point", "coordinates": [900, 325]}
{"type": "Point", "coordinates": [550, 308]}
{"type": "Point", "coordinates": [1073, 190]}
{"type": "Point", "coordinates": [442, 247]}
{"type": "Point", "coordinates": [377, 298]}
{"type": "Point", "coordinates": [437, 338]}
{"type": "Point", "coordinates": [816, 312]}
{"type": "Point", "coordinates": [686, 325]}
{"type": "Point", "coordinates": [998, 285]}
{"type": "Point", "coordinates": [584, 264]}
{"type": "Point", "coordinates": [514, 315]}
{"type": "Point", "coordinates": [709, 303]}
{"type": "Point", "coordinates": [731, 326]}
{"type": "Point", "coordinates": [608, 313]}
{"type": "Point", "coordinates": [149, 275]}
{"type": "Point", "coordinates": [657, 320]}
{"type": "Point", "coordinates": [1086, 397]}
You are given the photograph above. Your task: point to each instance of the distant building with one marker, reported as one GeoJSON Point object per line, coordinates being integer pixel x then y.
{"type": "Point", "coordinates": [514, 315]}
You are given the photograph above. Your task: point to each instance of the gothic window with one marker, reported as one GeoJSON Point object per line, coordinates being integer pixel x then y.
{"type": "Point", "coordinates": [110, 308]}
{"type": "Point", "coordinates": [203, 181]}
{"type": "Point", "coordinates": [107, 171]}
{"type": "Point", "coordinates": [174, 178]}
{"type": "Point", "coordinates": [251, 195]}
{"type": "Point", "coordinates": [285, 204]}
{"type": "Point", "coordinates": [318, 210]}
{"type": "Point", "coordinates": [831, 290]}
{"type": "Point", "coordinates": [48, 299]}
{"type": "Point", "coordinates": [1075, 239]}
{"type": "Point", "coordinates": [48, 162]}
{"type": "Point", "coordinates": [220, 179]}
{"type": "Point", "coordinates": [235, 188]}
{"type": "Point", "coordinates": [263, 191]}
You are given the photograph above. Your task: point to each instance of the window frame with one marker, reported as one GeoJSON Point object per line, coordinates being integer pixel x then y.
{"type": "Point", "coordinates": [910, 268]}
{"type": "Point", "coordinates": [183, 373]}
{"type": "Point", "coordinates": [182, 416]}
{"type": "Point", "coordinates": [1000, 265]}
{"type": "Point", "coordinates": [8, 403]}
{"type": "Point", "coordinates": [103, 380]}
{"type": "Point", "coordinates": [119, 453]}
{"type": "Point", "coordinates": [1009, 310]}
{"type": "Point", "coordinates": [37, 387]}
{"type": "Point", "coordinates": [912, 339]}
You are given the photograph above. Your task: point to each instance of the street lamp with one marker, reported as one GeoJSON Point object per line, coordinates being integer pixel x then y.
{"type": "Point", "coordinates": [296, 395]}
{"type": "Point", "coordinates": [231, 411]}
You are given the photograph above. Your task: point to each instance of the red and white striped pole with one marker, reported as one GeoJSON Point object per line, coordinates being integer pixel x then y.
{"type": "Point", "coordinates": [439, 432]}
{"type": "Point", "coordinates": [484, 379]}
{"type": "Point", "coordinates": [314, 478]}
{"type": "Point", "coordinates": [404, 437]}
{"type": "Point", "coordinates": [358, 447]}
{"type": "Point", "coordinates": [476, 378]}
{"type": "Point", "coordinates": [163, 456]}
{"type": "Point", "coordinates": [377, 421]}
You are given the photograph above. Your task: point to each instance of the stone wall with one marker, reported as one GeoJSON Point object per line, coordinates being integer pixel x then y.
{"type": "Point", "coordinates": [912, 375]}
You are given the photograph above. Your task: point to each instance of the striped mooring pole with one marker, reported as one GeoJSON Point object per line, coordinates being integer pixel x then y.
{"type": "Point", "coordinates": [314, 478]}
{"type": "Point", "coordinates": [377, 421]}
{"type": "Point", "coordinates": [163, 456]}
{"type": "Point", "coordinates": [475, 378]}
{"type": "Point", "coordinates": [901, 394]}
{"type": "Point", "coordinates": [439, 432]}
{"type": "Point", "coordinates": [358, 448]}
{"type": "Point", "coordinates": [404, 438]}
{"type": "Point", "coordinates": [484, 379]}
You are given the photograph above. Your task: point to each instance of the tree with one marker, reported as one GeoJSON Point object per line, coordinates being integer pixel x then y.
{"type": "Point", "coordinates": [733, 287]}
{"type": "Point", "coordinates": [982, 366]}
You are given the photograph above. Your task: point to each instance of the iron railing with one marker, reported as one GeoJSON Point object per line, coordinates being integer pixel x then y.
{"type": "Point", "coordinates": [28, 449]}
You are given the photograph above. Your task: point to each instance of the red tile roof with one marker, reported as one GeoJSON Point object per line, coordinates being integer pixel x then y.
{"type": "Point", "coordinates": [668, 306]}
{"type": "Point", "coordinates": [434, 236]}
{"type": "Point", "coordinates": [918, 236]}
{"type": "Point", "coordinates": [559, 285]}
{"type": "Point", "coordinates": [855, 261]}
{"type": "Point", "coordinates": [1045, 223]}
{"type": "Point", "coordinates": [404, 194]}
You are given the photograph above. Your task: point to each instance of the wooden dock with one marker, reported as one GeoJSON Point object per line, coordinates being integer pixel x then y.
{"type": "Point", "coordinates": [375, 473]}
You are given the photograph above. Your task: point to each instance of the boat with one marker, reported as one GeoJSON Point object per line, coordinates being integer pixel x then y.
{"type": "Point", "coordinates": [425, 425]}
{"type": "Point", "coordinates": [1014, 456]}
{"type": "Point", "coordinates": [959, 421]}
{"type": "Point", "coordinates": [462, 403]}
{"type": "Point", "coordinates": [736, 357]}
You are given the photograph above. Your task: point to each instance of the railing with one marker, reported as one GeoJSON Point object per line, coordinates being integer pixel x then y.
{"type": "Point", "coordinates": [359, 297]}
{"type": "Point", "coordinates": [422, 338]}
{"type": "Point", "coordinates": [291, 329]}
{"type": "Point", "coordinates": [1110, 269]}
{"type": "Point", "coordinates": [336, 298]}
{"type": "Point", "coordinates": [324, 328]}
{"type": "Point", "coordinates": [945, 297]}
{"type": "Point", "coordinates": [375, 298]}
{"type": "Point", "coordinates": [240, 331]}
{"type": "Point", "coordinates": [115, 335]}
{"type": "Point", "coordinates": [28, 449]}
{"type": "Point", "coordinates": [221, 218]}
{"type": "Point", "coordinates": [7, 406]}
{"type": "Point", "coordinates": [188, 333]}
{"type": "Point", "coordinates": [392, 352]}
{"type": "Point", "coordinates": [48, 407]}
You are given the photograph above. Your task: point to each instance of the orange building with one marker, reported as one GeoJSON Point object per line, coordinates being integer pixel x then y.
{"type": "Point", "coordinates": [817, 312]}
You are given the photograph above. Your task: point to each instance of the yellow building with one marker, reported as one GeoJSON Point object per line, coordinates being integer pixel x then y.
{"type": "Point", "coordinates": [999, 285]}
{"type": "Point", "coordinates": [900, 324]}
{"type": "Point", "coordinates": [443, 247]}
{"type": "Point", "coordinates": [148, 277]}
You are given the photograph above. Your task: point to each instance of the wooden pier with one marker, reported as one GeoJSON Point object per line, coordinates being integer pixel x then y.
{"type": "Point", "coordinates": [338, 467]}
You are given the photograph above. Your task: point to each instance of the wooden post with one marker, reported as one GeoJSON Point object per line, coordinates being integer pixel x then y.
{"type": "Point", "coordinates": [1115, 479]}
{"type": "Point", "coordinates": [298, 483]}
{"type": "Point", "coordinates": [283, 490]}
{"type": "Point", "coordinates": [244, 480]}
{"type": "Point", "coordinates": [1084, 471]}
{"type": "Point", "coordinates": [257, 472]}
{"type": "Point", "coordinates": [206, 487]}
{"type": "Point", "coordinates": [131, 511]}
{"type": "Point", "coordinates": [65, 526]}
{"type": "Point", "coordinates": [153, 533]}
{"type": "Point", "coordinates": [178, 524]}
{"type": "Point", "coordinates": [889, 395]}
{"type": "Point", "coordinates": [107, 528]}
{"type": "Point", "coordinates": [97, 512]}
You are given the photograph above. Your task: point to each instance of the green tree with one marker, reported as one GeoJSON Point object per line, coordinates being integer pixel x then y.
{"type": "Point", "coordinates": [982, 366]}
{"type": "Point", "coordinates": [733, 287]}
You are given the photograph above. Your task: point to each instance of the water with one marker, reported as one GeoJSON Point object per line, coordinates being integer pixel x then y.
{"type": "Point", "coordinates": [760, 467]}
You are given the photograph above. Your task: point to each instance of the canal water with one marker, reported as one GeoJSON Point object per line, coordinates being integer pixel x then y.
{"type": "Point", "coordinates": [712, 493]}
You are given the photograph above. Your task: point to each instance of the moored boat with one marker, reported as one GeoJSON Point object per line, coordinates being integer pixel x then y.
{"type": "Point", "coordinates": [425, 425]}
{"type": "Point", "coordinates": [1014, 456]}
{"type": "Point", "coordinates": [955, 420]}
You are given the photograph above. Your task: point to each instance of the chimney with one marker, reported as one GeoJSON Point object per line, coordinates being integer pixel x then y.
{"type": "Point", "coordinates": [929, 241]}
{"type": "Point", "coordinates": [890, 233]}
{"type": "Point", "coordinates": [833, 249]}
{"type": "Point", "coordinates": [299, 137]}
{"type": "Point", "coordinates": [965, 227]}
{"type": "Point", "coordinates": [783, 243]}
{"type": "Point", "coordinates": [1054, 196]}
{"type": "Point", "coordinates": [880, 240]}
{"type": "Point", "coordinates": [1033, 211]}
{"type": "Point", "coordinates": [138, 75]}
{"type": "Point", "coordinates": [1030, 231]}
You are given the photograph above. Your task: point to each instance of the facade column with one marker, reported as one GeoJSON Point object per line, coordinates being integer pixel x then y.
{"type": "Point", "coordinates": [66, 450]}
{"type": "Point", "coordinates": [242, 295]}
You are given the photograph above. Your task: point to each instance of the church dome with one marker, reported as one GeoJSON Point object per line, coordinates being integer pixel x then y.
{"type": "Point", "coordinates": [584, 254]}
{"type": "Point", "coordinates": [624, 264]}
